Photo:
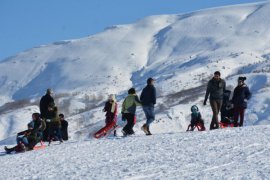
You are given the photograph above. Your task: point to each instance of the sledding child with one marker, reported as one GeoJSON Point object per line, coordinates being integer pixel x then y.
{"type": "Point", "coordinates": [111, 117]}
{"type": "Point", "coordinates": [26, 140]}
{"type": "Point", "coordinates": [196, 120]}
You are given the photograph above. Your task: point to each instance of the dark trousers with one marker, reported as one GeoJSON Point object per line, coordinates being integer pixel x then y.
{"type": "Point", "coordinates": [55, 133]}
{"type": "Point", "coordinates": [238, 111]}
{"type": "Point", "coordinates": [130, 123]}
{"type": "Point", "coordinates": [216, 106]}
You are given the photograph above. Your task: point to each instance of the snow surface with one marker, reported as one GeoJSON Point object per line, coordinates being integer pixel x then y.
{"type": "Point", "coordinates": [237, 153]}
{"type": "Point", "coordinates": [181, 52]}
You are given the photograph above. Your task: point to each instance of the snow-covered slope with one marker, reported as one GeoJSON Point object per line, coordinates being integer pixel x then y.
{"type": "Point", "coordinates": [180, 51]}
{"type": "Point", "coordinates": [238, 153]}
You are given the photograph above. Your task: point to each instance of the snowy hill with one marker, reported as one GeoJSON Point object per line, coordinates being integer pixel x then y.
{"type": "Point", "coordinates": [180, 51]}
{"type": "Point", "coordinates": [238, 153]}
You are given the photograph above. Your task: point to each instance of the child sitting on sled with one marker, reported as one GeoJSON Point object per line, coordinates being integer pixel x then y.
{"type": "Point", "coordinates": [196, 120]}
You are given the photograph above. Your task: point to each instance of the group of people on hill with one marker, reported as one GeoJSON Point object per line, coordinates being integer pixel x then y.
{"type": "Point", "coordinates": [147, 100]}
{"type": "Point", "coordinates": [48, 125]}
{"type": "Point", "coordinates": [216, 92]}
{"type": "Point", "coordinates": [220, 101]}
{"type": "Point", "coordinates": [45, 126]}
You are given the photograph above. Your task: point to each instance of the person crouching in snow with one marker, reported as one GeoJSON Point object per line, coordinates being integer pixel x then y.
{"type": "Point", "coordinates": [129, 110]}
{"type": "Point", "coordinates": [26, 140]}
{"type": "Point", "coordinates": [196, 120]}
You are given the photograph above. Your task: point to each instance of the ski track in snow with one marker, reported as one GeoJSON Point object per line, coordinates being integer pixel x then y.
{"type": "Point", "coordinates": [236, 153]}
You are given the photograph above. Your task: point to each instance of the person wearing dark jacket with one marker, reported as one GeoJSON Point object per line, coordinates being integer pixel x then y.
{"type": "Point", "coordinates": [215, 88]}
{"type": "Point", "coordinates": [26, 140]}
{"type": "Point", "coordinates": [54, 124]}
{"type": "Point", "coordinates": [148, 99]}
{"type": "Point", "coordinates": [241, 95]}
{"type": "Point", "coordinates": [44, 104]}
{"type": "Point", "coordinates": [64, 127]}
{"type": "Point", "coordinates": [111, 110]}
{"type": "Point", "coordinates": [129, 110]}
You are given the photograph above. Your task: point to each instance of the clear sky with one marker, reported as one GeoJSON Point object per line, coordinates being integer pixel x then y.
{"type": "Point", "coordinates": [28, 23]}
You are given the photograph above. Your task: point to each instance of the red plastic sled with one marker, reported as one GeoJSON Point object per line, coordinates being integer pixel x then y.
{"type": "Point", "coordinates": [199, 126]}
{"type": "Point", "coordinates": [107, 129]}
{"type": "Point", "coordinates": [41, 146]}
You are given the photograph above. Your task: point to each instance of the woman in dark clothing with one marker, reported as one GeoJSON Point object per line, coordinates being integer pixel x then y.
{"type": "Point", "coordinates": [241, 95]}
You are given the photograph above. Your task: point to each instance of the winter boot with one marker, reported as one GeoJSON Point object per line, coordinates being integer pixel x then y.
{"type": "Point", "coordinates": [144, 128]}
{"type": "Point", "coordinates": [20, 148]}
{"type": "Point", "coordinates": [148, 131]}
{"type": "Point", "coordinates": [9, 150]}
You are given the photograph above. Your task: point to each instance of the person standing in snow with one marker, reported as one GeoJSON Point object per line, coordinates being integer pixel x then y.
{"type": "Point", "coordinates": [45, 111]}
{"type": "Point", "coordinates": [54, 124]}
{"type": "Point", "coordinates": [111, 117]}
{"type": "Point", "coordinates": [111, 110]}
{"type": "Point", "coordinates": [241, 95]}
{"type": "Point", "coordinates": [148, 99]}
{"type": "Point", "coordinates": [44, 103]}
{"type": "Point", "coordinates": [64, 127]}
{"type": "Point", "coordinates": [215, 88]}
{"type": "Point", "coordinates": [129, 110]}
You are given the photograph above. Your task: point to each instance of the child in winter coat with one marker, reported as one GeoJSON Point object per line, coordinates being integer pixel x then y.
{"type": "Point", "coordinates": [111, 110]}
{"type": "Point", "coordinates": [111, 117]}
{"type": "Point", "coordinates": [196, 119]}
{"type": "Point", "coordinates": [129, 110]}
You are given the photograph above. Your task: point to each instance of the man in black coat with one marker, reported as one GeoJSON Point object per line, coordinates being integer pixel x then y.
{"type": "Point", "coordinates": [241, 95]}
{"type": "Point", "coordinates": [44, 103]}
{"type": "Point", "coordinates": [148, 99]}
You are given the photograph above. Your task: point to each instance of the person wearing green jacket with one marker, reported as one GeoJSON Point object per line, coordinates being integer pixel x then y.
{"type": "Point", "coordinates": [129, 110]}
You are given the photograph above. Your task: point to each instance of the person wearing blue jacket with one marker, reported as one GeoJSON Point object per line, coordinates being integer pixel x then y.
{"type": "Point", "coordinates": [241, 95]}
{"type": "Point", "coordinates": [148, 99]}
